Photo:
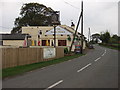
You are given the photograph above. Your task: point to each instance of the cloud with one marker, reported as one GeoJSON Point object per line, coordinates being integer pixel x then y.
{"type": "Point", "coordinates": [99, 15]}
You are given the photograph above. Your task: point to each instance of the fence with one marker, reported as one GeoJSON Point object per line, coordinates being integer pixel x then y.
{"type": "Point", "coordinates": [12, 57]}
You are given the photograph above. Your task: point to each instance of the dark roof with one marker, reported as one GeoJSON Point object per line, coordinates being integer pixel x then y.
{"type": "Point", "coordinates": [12, 36]}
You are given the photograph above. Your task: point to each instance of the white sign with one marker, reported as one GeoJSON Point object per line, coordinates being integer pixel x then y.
{"type": "Point", "coordinates": [59, 30]}
{"type": "Point", "coordinates": [49, 53]}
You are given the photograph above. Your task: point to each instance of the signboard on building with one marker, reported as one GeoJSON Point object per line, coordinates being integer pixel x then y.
{"type": "Point", "coordinates": [59, 31]}
{"type": "Point", "coordinates": [49, 53]}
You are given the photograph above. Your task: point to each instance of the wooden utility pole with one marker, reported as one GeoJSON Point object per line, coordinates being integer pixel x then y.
{"type": "Point", "coordinates": [82, 28]}
{"type": "Point", "coordinates": [81, 15]}
{"type": "Point", "coordinates": [55, 22]}
{"type": "Point", "coordinates": [54, 36]}
{"type": "Point", "coordinates": [88, 35]}
{"type": "Point", "coordinates": [75, 32]}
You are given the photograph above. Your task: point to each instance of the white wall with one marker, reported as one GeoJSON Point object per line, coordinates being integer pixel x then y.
{"type": "Point", "coordinates": [13, 42]}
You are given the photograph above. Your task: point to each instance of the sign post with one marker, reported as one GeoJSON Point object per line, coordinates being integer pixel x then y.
{"type": "Point", "coordinates": [55, 21]}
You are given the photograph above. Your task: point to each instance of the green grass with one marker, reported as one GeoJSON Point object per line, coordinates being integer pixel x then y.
{"type": "Point", "coordinates": [118, 45]}
{"type": "Point", "coordinates": [116, 48]}
{"type": "Point", "coordinates": [0, 73]}
{"type": "Point", "coordinates": [25, 68]}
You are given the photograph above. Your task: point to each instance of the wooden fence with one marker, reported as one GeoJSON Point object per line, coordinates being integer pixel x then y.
{"type": "Point", "coordinates": [12, 57]}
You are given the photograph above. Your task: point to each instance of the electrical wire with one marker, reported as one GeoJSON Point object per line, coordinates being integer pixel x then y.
{"type": "Point", "coordinates": [71, 5]}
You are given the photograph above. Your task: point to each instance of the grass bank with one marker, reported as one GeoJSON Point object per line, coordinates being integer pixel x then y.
{"type": "Point", "coordinates": [111, 46]}
{"type": "Point", "coordinates": [25, 68]}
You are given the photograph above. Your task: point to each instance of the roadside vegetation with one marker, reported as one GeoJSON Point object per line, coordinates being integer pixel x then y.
{"type": "Point", "coordinates": [111, 46]}
{"type": "Point", "coordinates": [109, 41]}
{"type": "Point", "coordinates": [33, 14]}
{"type": "Point", "coordinates": [26, 68]}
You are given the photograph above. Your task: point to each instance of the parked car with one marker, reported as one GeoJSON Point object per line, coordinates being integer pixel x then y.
{"type": "Point", "coordinates": [77, 49]}
{"type": "Point", "coordinates": [90, 46]}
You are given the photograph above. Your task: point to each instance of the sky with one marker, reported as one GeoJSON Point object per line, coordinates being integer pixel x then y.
{"type": "Point", "coordinates": [99, 15]}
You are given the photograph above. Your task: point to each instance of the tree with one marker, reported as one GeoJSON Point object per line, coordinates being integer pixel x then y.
{"type": "Point", "coordinates": [105, 37]}
{"type": "Point", "coordinates": [33, 14]}
{"type": "Point", "coordinates": [114, 39]}
{"type": "Point", "coordinates": [95, 38]}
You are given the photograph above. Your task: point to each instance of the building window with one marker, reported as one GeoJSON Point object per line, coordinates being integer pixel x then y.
{"type": "Point", "coordinates": [45, 42]}
{"type": "Point", "coordinates": [62, 43]}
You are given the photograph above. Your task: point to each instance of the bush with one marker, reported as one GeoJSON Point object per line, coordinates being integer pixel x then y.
{"type": "Point", "coordinates": [66, 50]}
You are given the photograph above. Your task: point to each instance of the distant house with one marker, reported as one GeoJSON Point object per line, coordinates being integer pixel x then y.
{"type": "Point", "coordinates": [12, 39]}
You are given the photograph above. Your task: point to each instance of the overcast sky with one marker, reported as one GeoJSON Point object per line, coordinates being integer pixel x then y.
{"type": "Point", "coordinates": [99, 15]}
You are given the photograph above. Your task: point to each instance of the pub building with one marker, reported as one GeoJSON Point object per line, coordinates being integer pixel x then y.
{"type": "Point", "coordinates": [44, 36]}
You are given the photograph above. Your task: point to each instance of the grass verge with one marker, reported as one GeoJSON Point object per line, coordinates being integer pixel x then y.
{"type": "Point", "coordinates": [25, 68]}
{"type": "Point", "coordinates": [115, 48]}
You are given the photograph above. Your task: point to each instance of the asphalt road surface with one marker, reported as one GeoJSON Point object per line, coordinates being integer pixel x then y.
{"type": "Point", "coordinates": [97, 69]}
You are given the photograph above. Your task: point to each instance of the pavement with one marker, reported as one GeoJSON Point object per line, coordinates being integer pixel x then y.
{"type": "Point", "coordinates": [97, 69]}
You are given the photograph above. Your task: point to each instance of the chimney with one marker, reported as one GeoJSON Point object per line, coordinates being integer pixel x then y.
{"type": "Point", "coordinates": [72, 25]}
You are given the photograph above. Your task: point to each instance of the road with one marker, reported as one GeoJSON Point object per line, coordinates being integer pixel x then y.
{"type": "Point", "coordinates": [97, 69]}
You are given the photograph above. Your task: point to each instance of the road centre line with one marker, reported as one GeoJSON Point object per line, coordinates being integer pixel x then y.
{"type": "Point", "coordinates": [104, 53]}
{"type": "Point", "coordinates": [105, 50]}
{"type": "Point", "coordinates": [77, 71]}
{"type": "Point", "coordinates": [97, 59]}
{"type": "Point", "coordinates": [84, 67]}
{"type": "Point", "coordinates": [54, 84]}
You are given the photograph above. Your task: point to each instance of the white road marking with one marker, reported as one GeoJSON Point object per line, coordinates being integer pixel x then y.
{"type": "Point", "coordinates": [105, 50]}
{"type": "Point", "coordinates": [97, 59]}
{"type": "Point", "coordinates": [104, 53]}
{"type": "Point", "coordinates": [54, 84]}
{"type": "Point", "coordinates": [84, 67]}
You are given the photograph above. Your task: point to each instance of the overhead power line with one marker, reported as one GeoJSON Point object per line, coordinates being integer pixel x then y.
{"type": "Point", "coordinates": [71, 5]}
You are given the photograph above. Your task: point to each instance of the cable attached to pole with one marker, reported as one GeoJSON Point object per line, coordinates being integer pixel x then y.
{"type": "Point", "coordinates": [75, 32]}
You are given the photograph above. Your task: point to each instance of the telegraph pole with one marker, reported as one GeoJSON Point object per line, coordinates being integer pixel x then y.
{"type": "Point", "coordinates": [54, 36]}
{"type": "Point", "coordinates": [55, 22]}
{"type": "Point", "coordinates": [82, 28]}
{"type": "Point", "coordinates": [89, 35]}
{"type": "Point", "coordinates": [81, 15]}
{"type": "Point", "coordinates": [75, 33]}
